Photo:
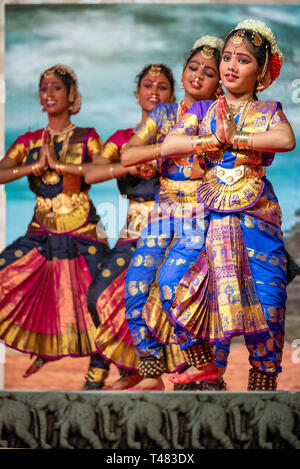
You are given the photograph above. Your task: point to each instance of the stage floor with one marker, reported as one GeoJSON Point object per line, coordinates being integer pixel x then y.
{"type": "Point", "coordinates": [68, 373]}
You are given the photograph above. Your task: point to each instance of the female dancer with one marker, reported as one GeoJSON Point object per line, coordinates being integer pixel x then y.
{"type": "Point", "coordinates": [238, 284]}
{"type": "Point", "coordinates": [45, 274]}
{"type": "Point", "coordinates": [155, 84]}
{"type": "Point", "coordinates": [169, 229]}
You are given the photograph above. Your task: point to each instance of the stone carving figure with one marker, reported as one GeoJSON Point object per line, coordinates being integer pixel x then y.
{"type": "Point", "coordinates": [144, 417]}
{"type": "Point", "coordinates": [16, 417]}
{"type": "Point", "coordinates": [77, 417]}
{"type": "Point", "coordinates": [209, 418]}
{"type": "Point", "coordinates": [265, 416]}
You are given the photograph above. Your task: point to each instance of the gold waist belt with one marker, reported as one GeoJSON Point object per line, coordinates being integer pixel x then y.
{"type": "Point", "coordinates": [63, 213]}
{"type": "Point", "coordinates": [230, 176]}
{"type": "Point", "coordinates": [188, 186]}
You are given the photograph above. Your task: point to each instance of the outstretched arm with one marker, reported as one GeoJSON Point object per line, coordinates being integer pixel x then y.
{"type": "Point", "coordinates": [137, 152]}
{"type": "Point", "coordinates": [11, 169]}
{"type": "Point", "coordinates": [99, 172]}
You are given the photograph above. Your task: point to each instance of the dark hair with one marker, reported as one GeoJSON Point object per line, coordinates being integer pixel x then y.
{"type": "Point", "coordinates": [193, 52]}
{"type": "Point", "coordinates": [164, 69]}
{"type": "Point", "coordinates": [65, 78]}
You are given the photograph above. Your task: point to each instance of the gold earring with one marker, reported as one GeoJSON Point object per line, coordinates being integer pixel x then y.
{"type": "Point", "coordinates": [260, 86]}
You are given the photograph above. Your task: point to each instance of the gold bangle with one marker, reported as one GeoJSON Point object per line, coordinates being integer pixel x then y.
{"type": "Point", "coordinates": [157, 154]}
{"type": "Point", "coordinates": [59, 168]}
{"type": "Point", "coordinates": [198, 145]}
{"type": "Point", "coordinates": [153, 151]}
{"type": "Point", "coordinates": [205, 143]}
{"type": "Point", "coordinates": [34, 168]}
{"type": "Point", "coordinates": [111, 171]}
{"type": "Point", "coordinates": [15, 170]}
{"type": "Point", "coordinates": [251, 140]}
{"type": "Point", "coordinates": [241, 141]}
{"type": "Point", "coordinates": [193, 144]}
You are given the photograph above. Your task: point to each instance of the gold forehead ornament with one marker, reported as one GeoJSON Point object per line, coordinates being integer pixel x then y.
{"type": "Point", "coordinates": [155, 69]}
{"type": "Point", "coordinates": [207, 52]}
{"type": "Point", "coordinates": [49, 73]}
{"type": "Point", "coordinates": [238, 38]}
{"type": "Point", "coordinates": [256, 39]}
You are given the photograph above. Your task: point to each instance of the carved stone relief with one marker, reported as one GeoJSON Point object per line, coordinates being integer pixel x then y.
{"type": "Point", "coordinates": [124, 420]}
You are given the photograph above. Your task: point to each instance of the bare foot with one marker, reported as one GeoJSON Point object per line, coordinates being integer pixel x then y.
{"type": "Point", "coordinates": [124, 382]}
{"type": "Point", "coordinates": [192, 374]}
{"type": "Point", "coordinates": [37, 365]}
{"type": "Point", "coordinates": [150, 384]}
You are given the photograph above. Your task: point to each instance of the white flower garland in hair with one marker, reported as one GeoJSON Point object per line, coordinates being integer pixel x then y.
{"type": "Point", "coordinates": [211, 41]}
{"type": "Point", "coordinates": [265, 31]}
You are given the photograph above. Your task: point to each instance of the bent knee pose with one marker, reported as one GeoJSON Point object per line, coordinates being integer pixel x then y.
{"type": "Point", "coordinates": [176, 225]}
{"type": "Point", "coordinates": [46, 273]}
{"type": "Point", "coordinates": [140, 184]}
{"type": "Point", "coordinates": [238, 284]}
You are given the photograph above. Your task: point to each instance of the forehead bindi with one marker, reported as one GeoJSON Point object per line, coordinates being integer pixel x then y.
{"type": "Point", "coordinates": [159, 79]}
{"type": "Point", "coordinates": [243, 50]}
{"type": "Point", "coordinates": [53, 81]}
{"type": "Point", "coordinates": [198, 59]}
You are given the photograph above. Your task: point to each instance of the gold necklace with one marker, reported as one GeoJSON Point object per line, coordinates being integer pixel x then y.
{"type": "Point", "coordinates": [60, 132]}
{"type": "Point", "coordinates": [51, 177]}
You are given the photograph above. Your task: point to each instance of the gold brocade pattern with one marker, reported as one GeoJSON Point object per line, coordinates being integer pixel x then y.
{"type": "Point", "coordinates": [94, 147]}
{"type": "Point", "coordinates": [148, 131]}
{"type": "Point", "coordinates": [156, 318]}
{"type": "Point", "coordinates": [19, 152]}
{"type": "Point", "coordinates": [137, 219]}
{"type": "Point", "coordinates": [96, 375]}
{"type": "Point", "coordinates": [224, 197]}
{"type": "Point", "coordinates": [178, 198]}
{"type": "Point", "coordinates": [63, 213]}
{"type": "Point", "coordinates": [217, 298]}
{"type": "Point", "coordinates": [60, 323]}
{"type": "Point", "coordinates": [89, 231]}
{"type": "Point", "coordinates": [111, 152]}
{"type": "Point", "coordinates": [113, 338]}
{"type": "Point", "coordinates": [72, 342]}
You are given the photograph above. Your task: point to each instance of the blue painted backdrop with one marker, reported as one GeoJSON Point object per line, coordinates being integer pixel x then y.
{"type": "Point", "coordinates": [108, 45]}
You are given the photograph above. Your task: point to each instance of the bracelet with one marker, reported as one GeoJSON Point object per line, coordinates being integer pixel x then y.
{"type": "Point", "coordinates": [35, 169]}
{"type": "Point", "coordinates": [158, 154]}
{"type": "Point", "coordinates": [79, 168]}
{"type": "Point", "coordinates": [222, 144]}
{"type": "Point", "coordinates": [153, 153]}
{"type": "Point", "coordinates": [241, 141]}
{"type": "Point", "coordinates": [193, 145]}
{"type": "Point", "coordinates": [15, 170]}
{"type": "Point", "coordinates": [205, 143]}
{"type": "Point", "coordinates": [251, 137]}
{"type": "Point", "coordinates": [59, 168]}
{"type": "Point", "coordinates": [156, 151]}
{"type": "Point", "coordinates": [111, 171]}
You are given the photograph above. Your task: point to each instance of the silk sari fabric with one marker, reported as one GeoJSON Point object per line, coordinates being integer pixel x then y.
{"type": "Point", "coordinates": [238, 285]}
{"type": "Point", "coordinates": [45, 275]}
